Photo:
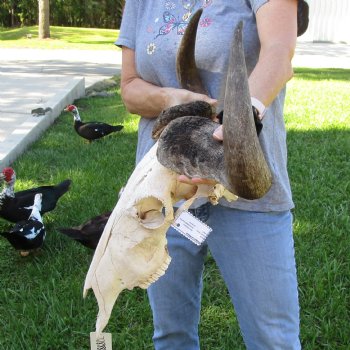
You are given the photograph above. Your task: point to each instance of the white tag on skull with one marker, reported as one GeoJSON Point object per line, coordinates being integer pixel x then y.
{"type": "Point", "coordinates": [191, 227]}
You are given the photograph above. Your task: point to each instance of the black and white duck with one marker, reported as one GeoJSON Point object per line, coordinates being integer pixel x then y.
{"type": "Point", "coordinates": [28, 235]}
{"type": "Point", "coordinates": [16, 206]}
{"type": "Point", "coordinates": [91, 130]}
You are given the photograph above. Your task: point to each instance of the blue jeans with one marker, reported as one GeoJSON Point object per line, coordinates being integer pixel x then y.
{"type": "Point", "coordinates": [255, 254]}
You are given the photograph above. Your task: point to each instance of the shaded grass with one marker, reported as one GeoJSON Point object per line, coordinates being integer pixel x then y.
{"type": "Point", "coordinates": [41, 302]}
{"type": "Point", "coordinates": [61, 38]}
{"type": "Point", "coordinates": [318, 121]}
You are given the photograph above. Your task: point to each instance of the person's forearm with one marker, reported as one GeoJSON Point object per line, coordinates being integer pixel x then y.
{"type": "Point", "coordinates": [148, 100]}
{"type": "Point", "coordinates": [143, 98]}
{"type": "Point", "coordinates": [277, 29]}
{"type": "Point", "coordinates": [271, 73]}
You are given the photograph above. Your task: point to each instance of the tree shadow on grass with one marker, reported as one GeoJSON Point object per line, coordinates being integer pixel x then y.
{"type": "Point", "coordinates": [18, 33]}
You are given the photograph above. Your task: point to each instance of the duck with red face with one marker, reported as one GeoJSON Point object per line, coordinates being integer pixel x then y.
{"type": "Point", "coordinates": [92, 130]}
{"type": "Point", "coordinates": [17, 206]}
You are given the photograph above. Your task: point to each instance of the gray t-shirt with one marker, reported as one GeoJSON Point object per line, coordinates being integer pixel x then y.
{"type": "Point", "coordinates": [154, 30]}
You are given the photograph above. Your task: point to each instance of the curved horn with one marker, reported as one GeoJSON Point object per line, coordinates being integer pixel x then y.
{"type": "Point", "coordinates": [245, 164]}
{"type": "Point", "coordinates": [186, 69]}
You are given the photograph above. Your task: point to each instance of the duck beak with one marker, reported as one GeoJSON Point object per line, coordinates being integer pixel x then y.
{"type": "Point", "coordinates": [246, 169]}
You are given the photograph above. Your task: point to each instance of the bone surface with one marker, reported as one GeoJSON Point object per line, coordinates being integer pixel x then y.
{"type": "Point", "coordinates": [132, 249]}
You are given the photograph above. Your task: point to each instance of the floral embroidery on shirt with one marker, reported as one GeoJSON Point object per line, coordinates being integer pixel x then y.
{"type": "Point", "coordinates": [177, 23]}
{"type": "Point", "coordinates": [151, 48]}
{"type": "Point", "coordinates": [206, 22]}
{"type": "Point", "coordinates": [169, 5]}
{"type": "Point", "coordinates": [171, 23]}
{"type": "Point", "coordinates": [206, 3]}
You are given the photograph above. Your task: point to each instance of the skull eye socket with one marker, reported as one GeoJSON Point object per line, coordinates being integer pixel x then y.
{"type": "Point", "coordinates": [149, 212]}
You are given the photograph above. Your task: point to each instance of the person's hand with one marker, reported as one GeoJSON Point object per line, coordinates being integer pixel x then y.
{"type": "Point", "coordinates": [180, 96]}
{"type": "Point", "coordinates": [218, 133]}
{"type": "Point", "coordinates": [195, 180]}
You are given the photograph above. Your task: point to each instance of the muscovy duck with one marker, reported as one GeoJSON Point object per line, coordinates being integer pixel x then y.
{"type": "Point", "coordinates": [28, 235]}
{"type": "Point", "coordinates": [16, 206]}
{"type": "Point", "coordinates": [88, 233]}
{"type": "Point", "coordinates": [91, 130]}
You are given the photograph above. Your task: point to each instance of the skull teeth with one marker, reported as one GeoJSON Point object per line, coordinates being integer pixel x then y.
{"type": "Point", "coordinates": [155, 276]}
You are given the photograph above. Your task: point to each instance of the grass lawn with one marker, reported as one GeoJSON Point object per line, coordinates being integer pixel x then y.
{"type": "Point", "coordinates": [61, 38]}
{"type": "Point", "coordinates": [41, 302]}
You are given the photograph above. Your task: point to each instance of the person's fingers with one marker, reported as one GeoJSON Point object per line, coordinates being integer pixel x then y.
{"type": "Point", "coordinates": [195, 180]}
{"type": "Point", "coordinates": [218, 133]}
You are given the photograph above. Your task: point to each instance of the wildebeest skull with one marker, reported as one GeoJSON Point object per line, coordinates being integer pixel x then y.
{"type": "Point", "coordinates": [132, 249]}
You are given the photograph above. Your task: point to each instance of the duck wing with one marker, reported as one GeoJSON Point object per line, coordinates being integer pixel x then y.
{"type": "Point", "coordinates": [17, 208]}
{"type": "Point", "coordinates": [26, 235]}
{"type": "Point", "coordinates": [96, 130]}
{"type": "Point", "coordinates": [50, 194]}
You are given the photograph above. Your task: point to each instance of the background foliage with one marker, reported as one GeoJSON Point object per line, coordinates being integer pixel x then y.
{"type": "Point", "coordinates": [71, 13]}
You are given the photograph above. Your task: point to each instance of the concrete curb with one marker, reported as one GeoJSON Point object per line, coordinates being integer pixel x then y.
{"type": "Point", "coordinates": [30, 128]}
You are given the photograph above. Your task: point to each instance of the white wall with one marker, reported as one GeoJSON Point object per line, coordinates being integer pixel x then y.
{"type": "Point", "coordinates": [329, 21]}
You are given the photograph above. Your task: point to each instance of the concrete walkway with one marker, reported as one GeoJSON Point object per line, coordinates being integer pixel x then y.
{"type": "Point", "coordinates": [33, 78]}
{"type": "Point", "coordinates": [322, 55]}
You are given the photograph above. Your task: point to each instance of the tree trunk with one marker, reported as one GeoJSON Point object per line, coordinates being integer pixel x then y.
{"type": "Point", "coordinates": [44, 19]}
{"type": "Point", "coordinates": [12, 17]}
